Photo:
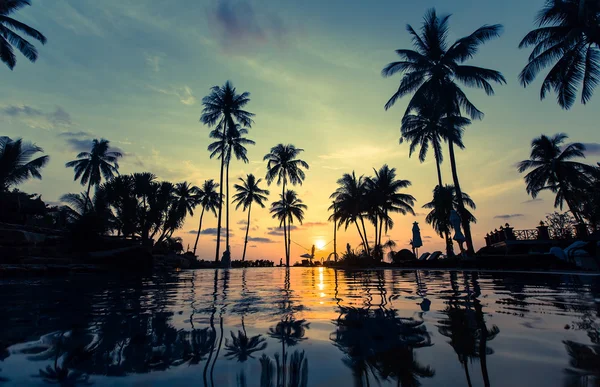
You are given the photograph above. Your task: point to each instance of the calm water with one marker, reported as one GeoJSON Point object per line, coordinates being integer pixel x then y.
{"type": "Point", "coordinates": [302, 327]}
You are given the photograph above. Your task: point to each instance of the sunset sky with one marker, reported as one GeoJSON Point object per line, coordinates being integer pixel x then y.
{"type": "Point", "coordinates": [135, 71]}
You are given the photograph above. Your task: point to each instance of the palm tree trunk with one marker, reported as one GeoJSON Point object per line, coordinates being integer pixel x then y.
{"type": "Point", "coordinates": [285, 238]}
{"type": "Point", "coordinates": [199, 230]}
{"type": "Point", "coordinates": [461, 207]}
{"type": "Point", "coordinates": [247, 229]}
{"type": "Point", "coordinates": [227, 204]}
{"type": "Point", "coordinates": [381, 228]}
{"type": "Point", "coordinates": [566, 195]}
{"type": "Point", "coordinates": [362, 221]}
{"type": "Point", "coordinates": [361, 235]}
{"type": "Point", "coordinates": [87, 195]}
{"type": "Point", "coordinates": [376, 229]}
{"type": "Point", "coordinates": [220, 207]}
{"type": "Point", "coordinates": [466, 367]}
{"type": "Point", "coordinates": [439, 170]}
{"type": "Point", "coordinates": [289, 241]}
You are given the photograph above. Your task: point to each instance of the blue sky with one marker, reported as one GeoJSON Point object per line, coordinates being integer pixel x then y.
{"type": "Point", "coordinates": [135, 71]}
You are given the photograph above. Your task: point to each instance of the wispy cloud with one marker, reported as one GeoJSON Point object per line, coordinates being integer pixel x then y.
{"type": "Point", "coordinates": [83, 142]}
{"type": "Point", "coordinates": [213, 231]}
{"type": "Point", "coordinates": [592, 148]}
{"type": "Point", "coordinates": [260, 240]}
{"type": "Point", "coordinates": [237, 25]}
{"type": "Point", "coordinates": [278, 231]}
{"type": "Point", "coordinates": [363, 152]}
{"type": "Point", "coordinates": [153, 61]}
{"type": "Point", "coordinates": [508, 216]}
{"type": "Point", "coordinates": [184, 94]}
{"type": "Point", "coordinates": [536, 200]}
{"type": "Point", "coordinates": [497, 189]}
{"type": "Point", "coordinates": [36, 118]}
{"type": "Point", "coordinates": [314, 224]}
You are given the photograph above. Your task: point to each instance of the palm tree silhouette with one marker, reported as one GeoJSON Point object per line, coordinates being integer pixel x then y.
{"type": "Point", "coordinates": [242, 347]}
{"type": "Point", "coordinates": [567, 39]}
{"type": "Point", "coordinates": [285, 210]}
{"type": "Point", "coordinates": [289, 332]}
{"type": "Point", "coordinates": [209, 199]}
{"type": "Point", "coordinates": [230, 145]}
{"type": "Point", "coordinates": [584, 360]}
{"type": "Point", "coordinates": [222, 107]}
{"type": "Point", "coordinates": [197, 344]}
{"type": "Point", "coordinates": [349, 203]}
{"type": "Point", "coordinates": [10, 38]}
{"type": "Point", "coordinates": [92, 166]}
{"type": "Point", "coordinates": [17, 164]}
{"type": "Point", "coordinates": [184, 200]}
{"type": "Point", "coordinates": [432, 72]}
{"type": "Point", "coordinates": [247, 193]}
{"type": "Point", "coordinates": [384, 189]}
{"type": "Point", "coordinates": [121, 197]}
{"type": "Point", "coordinates": [283, 165]}
{"type": "Point", "coordinates": [426, 126]}
{"type": "Point", "coordinates": [552, 169]}
{"type": "Point", "coordinates": [444, 201]}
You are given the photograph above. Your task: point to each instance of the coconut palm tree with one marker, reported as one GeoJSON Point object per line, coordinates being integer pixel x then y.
{"type": "Point", "coordinates": [444, 201]}
{"type": "Point", "coordinates": [208, 199]}
{"type": "Point", "coordinates": [122, 199]}
{"type": "Point", "coordinates": [242, 347]}
{"type": "Point", "coordinates": [567, 40]}
{"type": "Point", "coordinates": [552, 169]}
{"type": "Point", "coordinates": [17, 164]}
{"type": "Point", "coordinates": [433, 72]}
{"type": "Point", "coordinates": [92, 166]}
{"type": "Point", "coordinates": [285, 210]}
{"type": "Point", "coordinates": [283, 164]}
{"type": "Point", "coordinates": [384, 188]}
{"type": "Point", "coordinates": [222, 108]}
{"type": "Point", "coordinates": [230, 145]}
{"type": "Point", "coordinates": [349, 203]}
{"type": "Point", "coordinates": [426, 126]}
{"type": "Point", "coordinates": [9, 37]}
{"type": "Point", "coordinates": [247, 193]}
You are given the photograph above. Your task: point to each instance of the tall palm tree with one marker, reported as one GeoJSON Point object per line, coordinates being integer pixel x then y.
{"type": "Point", "coordinates": [433, 71]}
{"type": "Point", "coordinates": [210, 200]}
{"type": "Point", "coordinates": [92, 166]}
{"type": "Point", "coordinates": [283, 164]}
{"type": "Point", "coordinates": [552, 169]}
{"type": "Point", "coordinates": [247, 193]}
{"type": "Point", "coordinates": [9, 37]}
{"type": "Point", "coordinates": [230, 145]}
{"type": "Point", "coordinates": [222, 108]}
{"type": "Point", "coordinates": [444, 201]}
{"type": "Point", "coordinates": [567, 39]}
{"type": "Point", "coordinates": [144, 187]}
{"type": "Point", "coordinates": [385, 188]}
{"type": "Point", "coordinates": [121, 197]}
{"type": "Point", "coordinates": [349, 202]}
{"type": "Point", "coordinates": [17, 164]}
{"type": "Point", "coordinates": [427, 126]}
{"type": "Point", "coordinates": [285, 210]}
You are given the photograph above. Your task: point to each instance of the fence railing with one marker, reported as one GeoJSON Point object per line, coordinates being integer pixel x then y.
{"type": "Point", "coordinates": [526, 235]}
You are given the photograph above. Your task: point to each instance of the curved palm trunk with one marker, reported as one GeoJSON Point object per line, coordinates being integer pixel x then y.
{"type": "Point", "coordinates": [572, 208]}
{"type": "Point", "coordinates": [376, 231]}
{"type": "Point", "coordinates": [361, 235]}
{"type": "Point", "coordinates": [220, 207]}
{"type": "Point", "coordinates": [246, 240]}
{"type": "Point", "coordinates": [362, 221]}
{"type": "Point", "coordinates": [466, 367]}
{"type": "Point", "coordinates": [87, 196]}
{"type": "Point", "coordinates": [199, 230]}
{"type": "Point", "coordinates": [461, 207]}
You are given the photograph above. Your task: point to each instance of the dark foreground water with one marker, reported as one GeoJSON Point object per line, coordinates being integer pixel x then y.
{"type": "Point", "coordinates": [302, 327]}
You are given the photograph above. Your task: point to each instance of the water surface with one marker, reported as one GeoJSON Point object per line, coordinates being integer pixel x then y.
{"type": "Point", "coordinates": [302, 327]}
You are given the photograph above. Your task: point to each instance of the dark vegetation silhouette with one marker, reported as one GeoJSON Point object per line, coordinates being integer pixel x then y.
{"type": "Point", "coordinates": [372, 199]}
{"type": "Point", "coordinates": [566, 40]}
{"type": "Point", "coordinates": [209, 200]}
{"type": "Point", "coordinates": [285, 210]}
{"type": "Point", "coordinates": [9, 34]}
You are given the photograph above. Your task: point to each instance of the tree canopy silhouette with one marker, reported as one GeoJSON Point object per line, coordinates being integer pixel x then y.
{"type": "Point", "coordinates": [9, 37]}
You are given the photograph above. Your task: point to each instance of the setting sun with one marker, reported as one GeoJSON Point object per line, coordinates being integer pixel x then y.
{"type": "Point", "coordinates": [320, 244]}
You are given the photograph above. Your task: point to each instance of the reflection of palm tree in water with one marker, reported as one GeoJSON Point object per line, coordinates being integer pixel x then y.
{"type": "Point", "coordinates": [289, 332]}
{"type": "Point", "coordinates": [378, 342]}
{"type": "Point", "coordinates": [225, 280]}
{"type": "Point", "coordinates": [466, 327]}
{"type": "Point", "coordinates": [585, 365]}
